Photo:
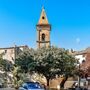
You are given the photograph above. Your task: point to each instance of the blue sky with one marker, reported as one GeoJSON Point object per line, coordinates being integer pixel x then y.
{"type": "Point", "coordinates": [70, 20]}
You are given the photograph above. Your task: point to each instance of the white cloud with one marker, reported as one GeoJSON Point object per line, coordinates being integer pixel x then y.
{"type": "Point", "coordinates": [78, 40]}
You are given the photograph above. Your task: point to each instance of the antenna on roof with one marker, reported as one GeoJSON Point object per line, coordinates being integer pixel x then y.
{"type": "Point", "coordinates": [14, 44]}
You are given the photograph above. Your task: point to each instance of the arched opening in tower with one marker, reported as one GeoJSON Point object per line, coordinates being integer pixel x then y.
{"type": "Point", "coordinates": [43, 37]}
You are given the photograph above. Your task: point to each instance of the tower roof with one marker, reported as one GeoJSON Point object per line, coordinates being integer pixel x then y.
{"type": "Point", "coordinates": [43, 18]}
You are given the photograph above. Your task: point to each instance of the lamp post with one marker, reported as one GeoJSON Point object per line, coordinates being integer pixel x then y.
{"type": "Point", "coordinates": [79, 76]}
{"type": "Point", "coordinates": [78, 64]}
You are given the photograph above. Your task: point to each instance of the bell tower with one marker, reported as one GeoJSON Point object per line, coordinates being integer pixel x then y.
{"type": "Point", "coordinates": [43, 31]}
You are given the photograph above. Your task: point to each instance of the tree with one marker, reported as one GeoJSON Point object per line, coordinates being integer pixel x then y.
{"type": "Point", "coordinates": [17, 77]}
{"type": "Point", "coordinates": [49, 62]}
{"type": "Point", "coordinates": [25, 61]}
{"type": "Point", "coordinates": [24, 64]}
{"type": "Point", "coordinates": [54, 61]}
{"type": "Point", "coordinates": [5, 66]}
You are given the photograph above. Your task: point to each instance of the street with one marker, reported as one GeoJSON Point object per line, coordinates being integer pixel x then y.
{"type": "Point", "coordinates": [7, 89]}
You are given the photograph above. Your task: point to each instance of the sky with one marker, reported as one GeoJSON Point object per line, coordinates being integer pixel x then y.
{"type": "Point", "coordinates": [70, 21]}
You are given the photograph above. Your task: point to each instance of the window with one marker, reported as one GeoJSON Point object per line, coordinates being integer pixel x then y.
{"type": "Point", "coordinates": [43, 17]}
{"type": "Point", "coordinates": [43, 37]}
{"type": "Point", "coordinates": [12, 58]}
{"type": "Point", "coordinates": [11, 51]}
{"type": "Point", "coordinates": [5, 51]}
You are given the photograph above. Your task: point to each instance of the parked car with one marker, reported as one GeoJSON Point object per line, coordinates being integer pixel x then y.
{"type": "Point", "coordinates": [31, 86]}
{"type": "Point", "coordinates": [1, 85]}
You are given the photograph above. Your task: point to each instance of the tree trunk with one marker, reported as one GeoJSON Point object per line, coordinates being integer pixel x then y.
{"type": "Point", "coordinates": [63, 82]}
{"type": "Point", "coordinates": [47, 83]}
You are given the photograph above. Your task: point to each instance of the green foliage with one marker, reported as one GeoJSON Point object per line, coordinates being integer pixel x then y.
{"type": "Point", "coordinates": [17, 77]}
{"type": "Point", "coordinates": [25, 61]}
{"type": "Point", "coordinates": [54, 61]}
{"type": "Point", "coordinates": [50, 62]}
{"type": "Point", "coordinates": [23, 65]}
{"type": "Point", "coordinates": [5, 66]}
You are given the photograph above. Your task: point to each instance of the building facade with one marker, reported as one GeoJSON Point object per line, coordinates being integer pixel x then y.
{"type": "Point", "coordinates": [85, 65]}
{"type": "Point", "coordinates": [10, 53]}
